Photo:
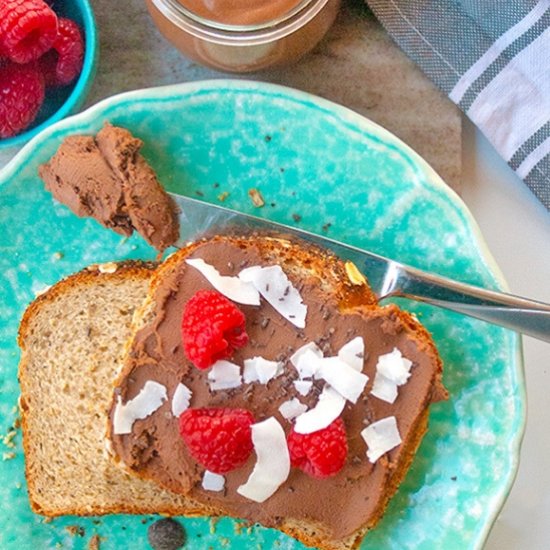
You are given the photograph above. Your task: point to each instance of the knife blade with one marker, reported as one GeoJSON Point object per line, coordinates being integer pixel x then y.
{"type": "Point", "coordinates": [386, 277]}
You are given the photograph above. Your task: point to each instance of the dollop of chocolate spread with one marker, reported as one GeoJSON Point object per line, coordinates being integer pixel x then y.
{"type": "Point", "coordinates": [344, 502]}
{"type": "Point", "coordinates": [106, 178]}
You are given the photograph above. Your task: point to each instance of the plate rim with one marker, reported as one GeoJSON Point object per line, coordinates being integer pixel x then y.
{"type": "Point", "coordinates": [362, 122]}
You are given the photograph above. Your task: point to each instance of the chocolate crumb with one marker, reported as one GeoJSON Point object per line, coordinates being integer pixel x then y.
{"type": "Point", "coordinates": [326, 226]}
{"type": "Point", "coordinates": [256, 196]}
{"type": "Point", "coordinates": [265, 322]}
{"type": "Point", "coordinates": [326, 315]}
{"type": "Point", "coordinates": [166, 534]}
{"type": "Point", "coordinates": [325, 348]}
{"type": "Point", "coordinates": [267, 138]}
{"type": "Point", "coordinates": [216, 185]}
{"type": "Point", "coordinates": [287, 290]}
{"type": "Point", "coordinates": [291, 489]}
{"type": "Point", "coordinates": [93, 543]}
{"type": "Point", "coordinates": [296, 217]}
{"type": "Point", "coordinates": [199, 193]}
{"type": "Point", "coordinates": [75, 530]}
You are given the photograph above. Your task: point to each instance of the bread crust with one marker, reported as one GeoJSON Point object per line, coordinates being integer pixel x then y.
{"type": "Point", "coordinates": [88, 275]}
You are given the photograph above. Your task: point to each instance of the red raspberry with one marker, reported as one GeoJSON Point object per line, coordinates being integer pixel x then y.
{"type": "Point", "coordinates": [319, 454]}
{"type": "Point", "coordinates": [219, 439]}
{"type": "Point", "coordinates": [22, 88]}
{"type": "Point", "coordinates": [63, 63]}
{"type": "Point", "coordinates": [27, 29]}
{"type": "Point", "coordinates": [212, 328]}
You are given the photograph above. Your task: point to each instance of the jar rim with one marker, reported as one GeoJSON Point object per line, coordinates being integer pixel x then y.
{"type": "Point", "coordinates": [224, 33]}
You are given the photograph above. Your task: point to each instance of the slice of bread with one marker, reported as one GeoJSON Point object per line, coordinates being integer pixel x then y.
{"type": "Point", "coordinates": [155, 354]}
{"type": "Point", "coordinates": [72, 339]}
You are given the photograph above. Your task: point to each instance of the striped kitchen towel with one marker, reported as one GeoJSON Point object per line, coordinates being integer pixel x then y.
{"type": "Point", "coordinates": [492, 58]}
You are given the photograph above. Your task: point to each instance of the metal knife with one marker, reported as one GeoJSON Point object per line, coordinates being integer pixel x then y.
{"type": "Point", "coordinates": [386, 277]}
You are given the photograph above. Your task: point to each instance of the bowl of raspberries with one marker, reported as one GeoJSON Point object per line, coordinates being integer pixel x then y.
{"type": "Point", "coordinates": [48, 54]}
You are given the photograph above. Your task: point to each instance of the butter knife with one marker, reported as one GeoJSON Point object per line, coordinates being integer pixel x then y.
{"type": "Point", "coordinates": [386, 277]}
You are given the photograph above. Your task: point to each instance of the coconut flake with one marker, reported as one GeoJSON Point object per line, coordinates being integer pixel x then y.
{"type": "Point", "coordinates": [181, 399]}
{"type": "Point", "coordinates": [328, 409]}
{"type": "Point", "coordinates": [292, 408]}
{"type": "Point", "coordinates": [307, 361]}
{"type": "Point", "coordinates": [384, 389]}
{"type": "Point", "coordinates": [272, 461]}
{"type": "Point", "coordinates": [300, 351]}
{"type": "Point", "coordinates": [392, 370]}
{"type": "Point", "coordinates": [224, 375]}
{"type": "Point", "coordinates": [303, 387]}
{"type": "Point", "coordinates": [146, 402]}
{"type": "Point", "coordinates": [212, 481]}
{"type": "Point", "coordinates": [353, 353]}
{"type": "Point", "coordinates": [261, 370]}
{"type": "Point", "coordinates": [394, 367]}
{"type": "Point", "coordinates": [234, 288]}
{"type": "Point", "coordinates": [381, 436]}
{"type": "Point", "coordinates": [342, 377]}
{"type": "Point", "coordinates": [273, 284]}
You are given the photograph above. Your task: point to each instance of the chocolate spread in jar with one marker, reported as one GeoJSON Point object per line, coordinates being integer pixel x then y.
{"type": "Point", "coordinates": [219, 41]}
{"type": "Point", "coordinates": [240, 12]}
{"type": "Point", "coordinates": [345, 502]}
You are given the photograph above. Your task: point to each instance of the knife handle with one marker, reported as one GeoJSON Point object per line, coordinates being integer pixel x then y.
{"type": "Point", "coordinates": [520, 314]}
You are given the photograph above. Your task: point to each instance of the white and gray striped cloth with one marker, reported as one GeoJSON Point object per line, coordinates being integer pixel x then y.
{"type": "Point", "coordinates": [492, 58]}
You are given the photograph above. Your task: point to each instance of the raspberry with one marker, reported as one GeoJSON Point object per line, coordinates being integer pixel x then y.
{"type": "Point", "coordinates": [212, 328]}
{"type": "Point", "coordinates": [319, 454]}
{"type": "Point", "coordinates": [22, 95]}
{"type": "Point", "coordinates": [27, 29]}
{"type": "Point", "coordinates": [63, 63]}
{"type": "Point", "coordinates": [219, 439]}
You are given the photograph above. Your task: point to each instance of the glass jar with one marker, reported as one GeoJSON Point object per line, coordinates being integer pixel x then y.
{"type": "Point", "coordinates": [238, 47]}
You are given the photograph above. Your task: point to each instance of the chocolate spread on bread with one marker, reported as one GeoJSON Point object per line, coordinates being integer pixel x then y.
{"type": "Point", "coordinates": [356, 495]}
{"type": "Point", "coordinates": [106, 178]}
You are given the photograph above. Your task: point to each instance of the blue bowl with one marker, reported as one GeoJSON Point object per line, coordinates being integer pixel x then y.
{"type": "Point", "coordinates": [63, 101]}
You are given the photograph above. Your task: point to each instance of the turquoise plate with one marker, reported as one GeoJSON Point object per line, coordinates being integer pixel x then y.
{"type": "Point", "coordinates": [343, 175]}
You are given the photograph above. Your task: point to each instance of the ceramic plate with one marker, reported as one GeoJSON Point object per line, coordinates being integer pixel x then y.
{"type": "Point", "coordinates": [344, 176]}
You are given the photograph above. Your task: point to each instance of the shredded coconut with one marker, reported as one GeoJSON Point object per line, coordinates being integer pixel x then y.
{"type": "Point", "coordinates": [272, 461]}
{"type": "Point", "coordinates": [146, 402]}
{"type": "Point", "coordinates": [273, 284]}
{"type": "Point", "coordinates": [233, 288]}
